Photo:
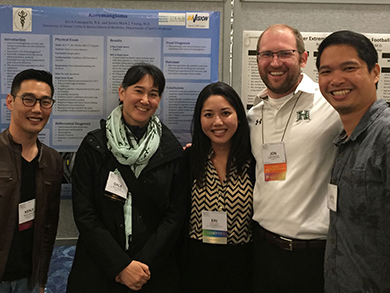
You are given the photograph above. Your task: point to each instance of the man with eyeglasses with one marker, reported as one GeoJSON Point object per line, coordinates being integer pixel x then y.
{"type": "Point", "coordinates": [292, 132]}
{"type": "Point", "coordinates": [30, 186]}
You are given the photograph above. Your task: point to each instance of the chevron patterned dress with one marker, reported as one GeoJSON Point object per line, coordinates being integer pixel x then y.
{"type": "Point", "coordinates": [217, 268]}
{"type": "Point", "coordinates": [233, 196]}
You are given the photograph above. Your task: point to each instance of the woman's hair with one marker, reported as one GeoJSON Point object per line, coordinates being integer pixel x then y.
{"type": "Point", "coordinates": [240, 151]}
{"type": "Point", "coordinates": [138, 71]}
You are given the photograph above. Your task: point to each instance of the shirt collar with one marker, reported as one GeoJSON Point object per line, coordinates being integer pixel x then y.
{"type": "Point", "coordinates": [368, 118]}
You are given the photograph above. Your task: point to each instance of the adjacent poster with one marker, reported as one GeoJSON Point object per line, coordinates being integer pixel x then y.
{"type": "Point", "coordinates": [252, 84]}
{"type": "Point", "coordinates": [89, 50]}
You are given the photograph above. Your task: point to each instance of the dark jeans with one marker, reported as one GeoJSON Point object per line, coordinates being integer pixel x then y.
{"type": "Point", "coordinates": [278, 270]}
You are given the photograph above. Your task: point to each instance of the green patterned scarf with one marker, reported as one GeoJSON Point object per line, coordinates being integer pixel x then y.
{"type": "Point", "coordinates": [122, 143]}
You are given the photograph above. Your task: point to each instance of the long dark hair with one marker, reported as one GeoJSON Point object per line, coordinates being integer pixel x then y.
{"type": "Point", "coordinates": [240, 151]}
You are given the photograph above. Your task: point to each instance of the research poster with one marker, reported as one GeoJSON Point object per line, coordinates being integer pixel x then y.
{"type": "Point", "coordinates": [88, 51]}
{"type": "Point", "coordinates": [252, 84]}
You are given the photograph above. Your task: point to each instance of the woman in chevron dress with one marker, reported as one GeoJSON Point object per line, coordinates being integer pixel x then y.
{"type": "Point", "coordinates": [217, 175]}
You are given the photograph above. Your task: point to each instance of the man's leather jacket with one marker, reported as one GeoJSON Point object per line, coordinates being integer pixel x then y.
{"type": "Point", "coordinates": [48, 189]}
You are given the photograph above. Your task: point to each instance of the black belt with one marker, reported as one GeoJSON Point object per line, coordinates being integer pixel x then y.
{"type": "Point", "coordinates": [288, 243]}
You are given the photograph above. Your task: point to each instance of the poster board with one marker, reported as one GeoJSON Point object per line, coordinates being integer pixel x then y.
{"type": "Point", "coordinates": [88, 51]}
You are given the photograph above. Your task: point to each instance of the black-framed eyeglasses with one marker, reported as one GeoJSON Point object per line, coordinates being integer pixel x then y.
{"type": "Point", "coordinates": [282, 54]}
{"type": "Point", "coordinates": [30, 101]}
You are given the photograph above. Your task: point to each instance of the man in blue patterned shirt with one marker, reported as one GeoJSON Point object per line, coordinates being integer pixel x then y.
{"type": "Point", "coordinates": [357, 257]}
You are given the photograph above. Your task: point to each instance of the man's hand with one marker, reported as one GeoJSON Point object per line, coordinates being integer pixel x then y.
{"type": "Point", "coordinates": [41, 289]}
{"type": "Point", "coordinates": [134, 276]}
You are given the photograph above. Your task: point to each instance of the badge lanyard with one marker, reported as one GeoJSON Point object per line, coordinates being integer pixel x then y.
{"type": "Point", "coordinates": [274, 154]}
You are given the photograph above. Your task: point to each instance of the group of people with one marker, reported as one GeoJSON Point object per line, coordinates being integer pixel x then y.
{"type": "Point", "coordinates": [291, 196]}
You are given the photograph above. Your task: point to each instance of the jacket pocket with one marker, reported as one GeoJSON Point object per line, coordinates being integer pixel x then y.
{"type": "Point", "coordinates": [7, 183]}
{"type": "Point", "coordinates": [51, 184]}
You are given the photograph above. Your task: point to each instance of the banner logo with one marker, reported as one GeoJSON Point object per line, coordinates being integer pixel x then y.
{"type": "Point", "coordinates": [22, 19]}
{"type": "Point", "coordinates": [198, 20]}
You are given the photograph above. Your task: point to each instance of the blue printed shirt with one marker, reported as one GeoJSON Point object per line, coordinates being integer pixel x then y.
{"type": "Point", "coordinates": [357, 257]}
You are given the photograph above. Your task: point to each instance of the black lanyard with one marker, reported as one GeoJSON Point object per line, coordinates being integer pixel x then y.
{"type": "Point", "coordinates": [288, 120]}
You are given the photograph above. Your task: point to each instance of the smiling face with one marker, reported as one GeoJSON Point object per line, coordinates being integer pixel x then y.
{"type": "Point", "coordinates": [345, 81]}
{"type": "Point", "coordinates": [219, 121]}
{"type": "Point", "coordinates": [280, 76]}
{"type": "Point", "coordinates": [140, 101]}
{"type": "Point", "coordinates": [27, 122]}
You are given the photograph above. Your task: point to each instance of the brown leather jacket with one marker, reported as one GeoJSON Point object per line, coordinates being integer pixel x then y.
{"type": "Point", "coordinates": [48, 189]}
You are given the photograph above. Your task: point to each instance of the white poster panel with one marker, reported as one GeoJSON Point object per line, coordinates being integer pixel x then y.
{"type": "Point", "coordinates": [252, 84]}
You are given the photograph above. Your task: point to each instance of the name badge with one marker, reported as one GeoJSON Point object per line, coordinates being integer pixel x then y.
{"type": "Point", "coordinates": [214, 225]}
{"type": "Point", "coordinates": [26, 214]}
{"type": "Point", "coordinates": [116, 186]}
{"type": "Point", "coordinates": [332, 197]}
{"type": "Point", "coordinates": [274, 161]}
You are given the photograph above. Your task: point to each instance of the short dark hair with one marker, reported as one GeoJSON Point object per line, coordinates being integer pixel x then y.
{"type": "Point", "coordinates": [363, 46]}
{"type": "Point", "coordinates": [296, 33]}
{"type": "Point", "coordinates": [32, 74]}
{"type": "Point", "coordinates": [138, 71]}
{"type": "Point", "coordinates": [240, 151]}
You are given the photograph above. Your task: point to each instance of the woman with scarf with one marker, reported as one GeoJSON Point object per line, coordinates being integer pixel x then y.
{"type": "Point", "coordinates": [124, 205]}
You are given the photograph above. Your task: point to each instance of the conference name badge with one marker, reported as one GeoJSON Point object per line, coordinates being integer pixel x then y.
{"type": "Point", "coordinates": [274, 161]}
{"type": "Point", "coordinates": [116, 187]}
{"type": "Point", "coordinates": [26, 214]}
{"type": "Point", "coordinates": [332, 197]}
{"type": "Point", "coordinates": [214, 225]}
